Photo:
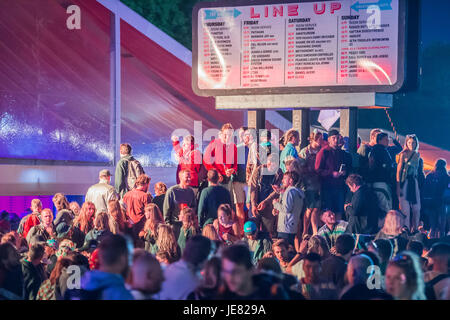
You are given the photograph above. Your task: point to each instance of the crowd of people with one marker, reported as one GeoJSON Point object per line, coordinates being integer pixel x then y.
{"type": "Point", "coordinates": [257, 220]}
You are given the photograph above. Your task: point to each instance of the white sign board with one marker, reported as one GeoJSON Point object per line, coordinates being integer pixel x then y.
{"type": "Point", "coordinates": [323, 46]}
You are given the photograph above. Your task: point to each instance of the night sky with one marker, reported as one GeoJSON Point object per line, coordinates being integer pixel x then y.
{"type": "Point", "coordinates": [435, 21]}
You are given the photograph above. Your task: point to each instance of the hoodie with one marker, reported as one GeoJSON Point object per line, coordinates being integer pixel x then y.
{"type": "Point", "coordinates": [112, 286]}
{"type": "Point", "coordinates": [290, 208]}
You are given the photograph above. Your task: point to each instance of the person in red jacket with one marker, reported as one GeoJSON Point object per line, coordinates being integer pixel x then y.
{"type": "Point", "coordinates": [189, 158]}
{"type": "Point", "coordinates": [221, 155]}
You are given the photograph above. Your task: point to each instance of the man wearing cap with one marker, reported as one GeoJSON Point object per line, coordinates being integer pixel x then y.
{"type": "Point", "coordinates": [437, 281]}
{"type": "Point", "coordinates": [333, 165]}
{"type": "Point", "coordinates": [102, 192]}
{"type": "Point", "coordinates": [256, 242]}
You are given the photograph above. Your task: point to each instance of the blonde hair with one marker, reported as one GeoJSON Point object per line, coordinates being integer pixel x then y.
{"type": "Point", "coordinates": [295, 163]}
{"type": "Point", "coordinates": [155, 219]}
{"type": "Point", "coordinates": [226, 126]}
{"type": "Point", "coordinates": [210, 232]}
{"type": "Point", "coordinates": [393, 223]}
{"type": "Point", "coordinates": [35, 204]}
{"type": "Point", "coordinates": [315, 135]}
{"type": "Point", "coordinates": [318, 244]}
{"type": "Point", "coordinates": [60, 201]}
{"type": "Point", "coordinates": [289, 134]}
{"type": "Point", "coordinates": [188, 218]}
{"type": "Point", "coordinates": [116, 217]}
{"type": "Point", "coordinates": [166, 241]}
{"type": "Point", "coordinates": [374, 133]}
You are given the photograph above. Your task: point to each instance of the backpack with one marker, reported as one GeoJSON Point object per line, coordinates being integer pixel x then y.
{"type": "Point", "coordinates": [134, 170]}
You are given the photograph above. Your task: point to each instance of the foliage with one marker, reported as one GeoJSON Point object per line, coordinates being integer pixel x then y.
{"type": "Point", "coordinates": [171, 16]}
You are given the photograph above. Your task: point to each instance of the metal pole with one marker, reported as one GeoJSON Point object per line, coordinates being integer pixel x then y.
{"type": "Point", "coordinates": [256, 120]}
{"type": "Point", "coordinates": [301, 122]}
{"type": "Point", "coordinates": [349, 127]}
{"type": "Point", "coordinates": [115, 87]}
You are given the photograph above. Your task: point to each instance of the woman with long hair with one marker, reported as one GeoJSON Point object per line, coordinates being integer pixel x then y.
{"type": "Point", "coordinates": [410, 177]}
{"type": "Point", "coordinates": [166, 242]}
{"type": "Point", "coordinates": [188, 229]}
{"type": "Point", "coordinates": [75, 207]}
{"type": "Point", "coordinates": [50, 289]}
{"type": "Point", "coordinates": [98, 232]}
{"type": "Point", "coordinates": [226, 227]}
{"type": "Point", "coordinates": [404, 277]}
{"type": "Point", "coordinates": [117, 220]}
{"type": "Point", "coordinates": [393, 230]}
{"type": "Point", "coordinates": [85, 220]}
{"type": "Point", "coordinates": [153, 218]}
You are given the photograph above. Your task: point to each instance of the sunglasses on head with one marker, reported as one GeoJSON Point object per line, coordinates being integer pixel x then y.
{"type": "Point", "coordinates": [402, 258]}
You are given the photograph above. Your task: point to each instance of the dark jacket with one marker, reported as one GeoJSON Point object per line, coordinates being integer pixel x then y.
{"type": "Point", "coordinates": [159, 201]}
{"type": "Point", "coordinates": [94, 235]}
{"type": "Point", "coordinates": [362, 292]}
{"type": "Point", "coordinates": [33, 276]}
{"type": "Point", "coordinates": [333, 270]}
{"type": "Point", "coordinates": [210, 200]}
{"type": "Point", "coordinates": [12, 281]}
{"type": "Point", "coordinates": [266, 289]}
{"type": "Point", "coordinates": [381, 165]}
{"type": "Point", "coordinates": [363, 213]}
{"type": "Point", "coordinates": [363, 159]}
{"type": "Point", "coordinates": [398, 242]}
{"type": "Point", "coordinates": [434, 188]}
{"type": "Point", "coordinates": [329, 160]}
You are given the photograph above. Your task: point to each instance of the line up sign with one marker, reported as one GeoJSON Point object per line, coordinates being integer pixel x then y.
{"type": "Point", "coordinates": [298, 47]}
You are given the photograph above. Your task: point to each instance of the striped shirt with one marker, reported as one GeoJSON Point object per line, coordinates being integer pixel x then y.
{"type": "Point", "coordinates": [331, 235]}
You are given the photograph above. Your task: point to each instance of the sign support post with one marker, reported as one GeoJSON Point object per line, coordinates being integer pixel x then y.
{"type": "Point", "coordinates": [349, 127]}
{"type": "Point", "coordinates": [256, 120]}
{"type": "Point", "coordinates": [301, 123]}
